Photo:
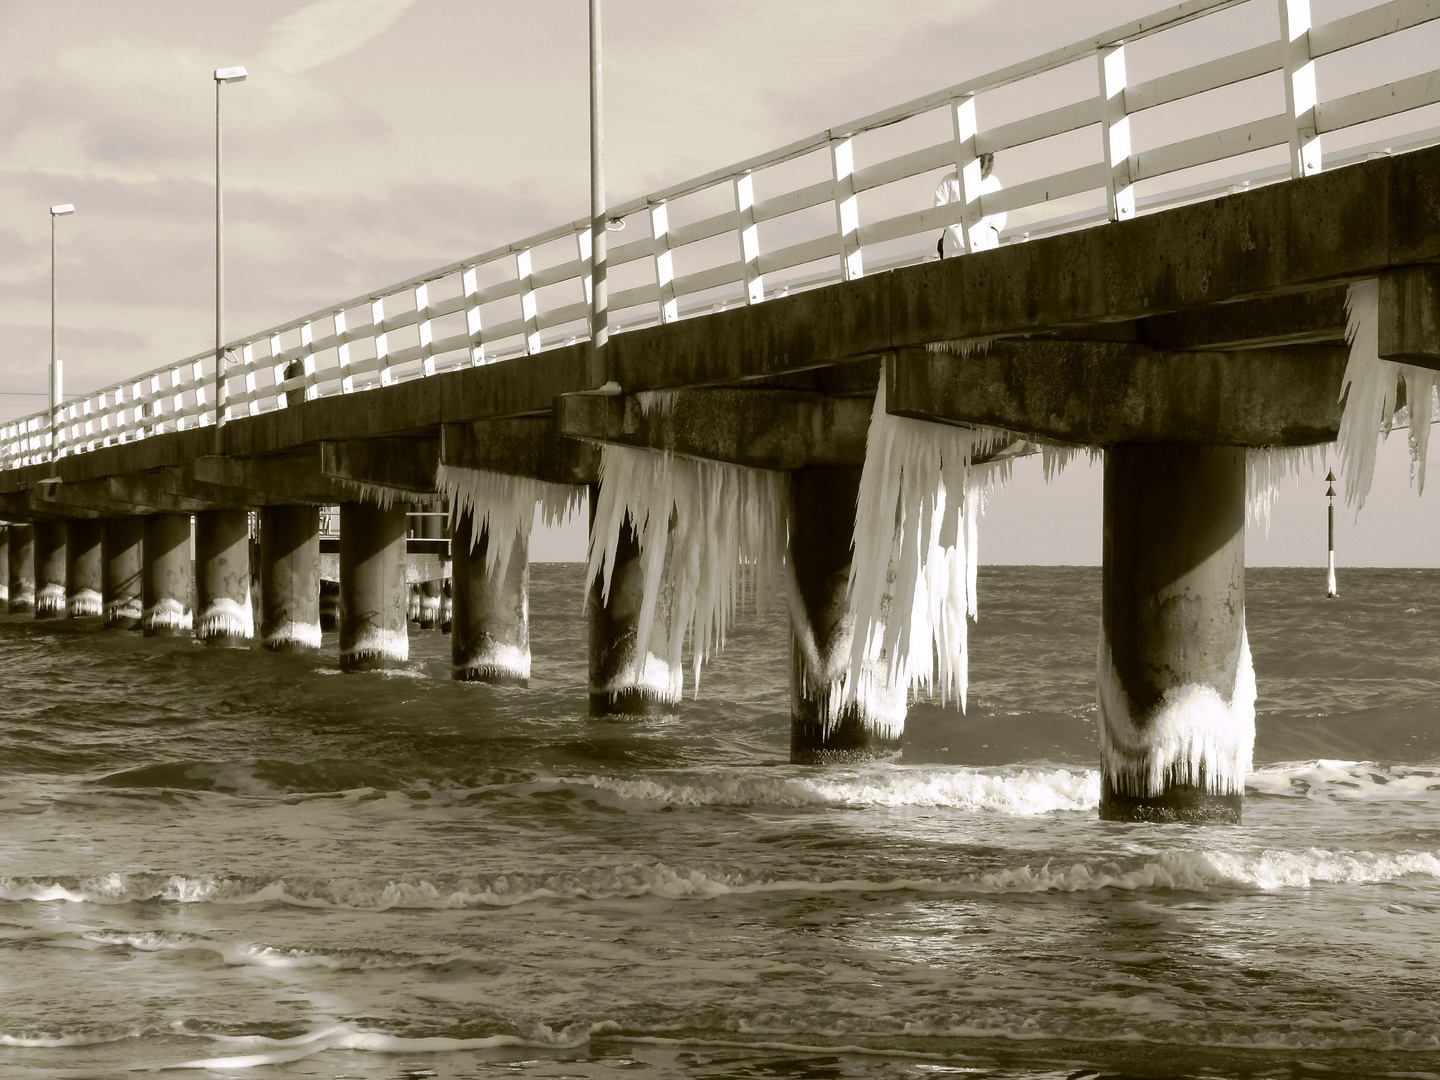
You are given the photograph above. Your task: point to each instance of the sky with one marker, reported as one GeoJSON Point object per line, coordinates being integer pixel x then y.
{"type": "Point", "coordinates": [375, 139]}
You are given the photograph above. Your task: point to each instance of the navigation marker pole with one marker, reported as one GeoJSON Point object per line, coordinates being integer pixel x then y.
{"type": "Point", "coordinates": [1330, 590]}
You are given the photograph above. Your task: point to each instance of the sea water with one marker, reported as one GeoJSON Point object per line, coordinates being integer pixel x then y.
{"type": "Point", "coordinates": [255, 865]}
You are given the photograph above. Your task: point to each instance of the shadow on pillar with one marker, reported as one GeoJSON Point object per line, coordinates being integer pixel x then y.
{"type": "Point", "coordinates": [166, 576]}
{"type": "Point", "coordinates": [20, 559]}
{"type": "Point", "coordinates": [50, 570]}
{"type": "Point", "coordinates": [290, 578]}
{"type": "Point", "coordinates": [1176, 684]}
{"type": "Point", "coordinates": [490, 620]}
{"type": "Point", "coordinates": [123, 572]}
{"type": "Point", "coordinates": [85, 568]}
{"type": "Point", "coordinates": [822, 513]}
{"type": "Point", "coordinates": [626, 679]}
{"type": "Point", "coordinates": [373, 628]}
{"type": "Point", "coordinates": [222, 579]}
{"type": "Point", "coordinates": [329, 606]}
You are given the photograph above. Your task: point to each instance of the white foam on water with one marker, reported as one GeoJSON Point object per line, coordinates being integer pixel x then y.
{"type": "Point", "coordinates": [1192, 736]}
{"type": "Point", "coordinates": [1023, 790]}
{"type": "Point", "coordinates": [1348, 781]}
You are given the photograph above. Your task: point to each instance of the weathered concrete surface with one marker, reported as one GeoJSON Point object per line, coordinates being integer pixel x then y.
{"type": "Point", "coordinates": [490, 629]}
{"type": "Point", "coordinates": [1313, 317]}
{"type": "Point", "coordinates": [401, 464]}
{"type": "Point", "coordinates": [124, 572]}
{"type": "Point", "coordinates": [20, 557]}
{"type": "Point", "coordinates": [1410, 316]}
{"type": "Point", "coordinates": [373, 630]}
{"type": "Point", "coordinates": [85, 568]}
{"type": "Point", "coordinates": [286, 479]}
{"type": "Point", "coordinates": [1172, 623]}
{"type": "Point", "coordinates": [761, 429]}
{"type": "Point", "coordinates": [222, 578]}
{"type": "Point", "coordinates": [520, 446]}
{"type": "Point", "coordinates": [49, 569]}
{"type": "Point", "coordinates": [166, 576]}
{"type": "Point", "coordinates": [1102, 393]}
{"type": "Point", "coordinates": [290, 578]}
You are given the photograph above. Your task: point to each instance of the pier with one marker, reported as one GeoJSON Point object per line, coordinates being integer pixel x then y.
{"type": "Point", "coordinates": [1171, 328]}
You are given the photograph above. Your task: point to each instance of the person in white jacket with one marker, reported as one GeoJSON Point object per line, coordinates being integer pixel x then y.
{"type": "Point", "coordinates": [985, 233]}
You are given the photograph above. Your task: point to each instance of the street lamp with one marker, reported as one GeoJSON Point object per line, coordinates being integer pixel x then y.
{"type": "Point", "coordinates": [57, 381]}
{"type": "Point", "coordinates": [599, 289]}
{"type": "Point", "coordinates": [222, 76]}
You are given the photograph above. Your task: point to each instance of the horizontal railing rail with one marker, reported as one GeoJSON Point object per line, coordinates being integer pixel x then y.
{"type": "Point", "coordinates": [1075, 141]}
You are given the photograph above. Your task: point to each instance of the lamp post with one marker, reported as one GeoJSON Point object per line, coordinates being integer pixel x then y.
{"type": "Point", "coordinates": [57, 381]}
{"type": "Point", "coordinates": [222, 76]}
{"type": "Point", "coordinates": [1330, 591]}
{"type": "Point", "coordinates": [599, 291]}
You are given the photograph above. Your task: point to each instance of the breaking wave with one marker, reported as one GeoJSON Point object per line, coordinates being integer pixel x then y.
{"type": "Point", "coordinates": [1184, 870]}
{"type": "Point", "coordinates": [1348, 781]}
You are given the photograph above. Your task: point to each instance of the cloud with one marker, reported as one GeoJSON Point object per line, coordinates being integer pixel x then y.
{"type": "Point", "coordinates": [328, 30]}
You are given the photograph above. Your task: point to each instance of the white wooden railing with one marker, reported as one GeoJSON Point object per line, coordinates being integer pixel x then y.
{"type": "Point", "coordinates": [1077, 138]}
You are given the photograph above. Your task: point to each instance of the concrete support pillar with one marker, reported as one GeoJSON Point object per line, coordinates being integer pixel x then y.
{"type": "Point", "coordinates": [626, 679]}
{"type": "Point", "coordinates": [429, 527]}
{"type": "Point", "coordinates": [490, 621]}
{"type": "Point", "coordinates": [85, 567]}
{"type": "Point", "coordinates": [166, 576]}
{"type": "Point", "coordinates": [1176, 685]}
{"type": "Point", "coordinates": [124, 571]}
{"type": "Point", "coordinates": [222, 578]}
{"type": "Point", "coordinates": [21, 559]}
{"type": "Point", "coordinates": [373, 630]}
{"type": "Point", "coordinates": [290, 578]}
{"type": "Point", "coordinates": [822, 626]}
{"type": "Point", "coordinates": [4, 568]}
{"type": "Point", "coordinates": [329, 606]}
{"type": "Point", "coordinates": [50, 570]}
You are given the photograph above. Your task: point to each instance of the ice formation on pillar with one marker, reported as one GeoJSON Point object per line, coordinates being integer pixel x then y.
{"type": "Point", "coordinates": [50, 599]}
{"type": "Point", "coordinates": [126, 607]}
{"type": "Point", "coordinates": [85, 602]}
{"type": "Point", "coordinates": [704, 528]}
{"type": "Point", "coordinates": [167, 614]}
{"type": "Point", "coordinates": [293, 632]}
{"type": "Point", "coordinates": [1371, 392]}
{"type": "Point", "coordinates": [1193, 736]}
{"type": "Point", "coordinates": [912, 579]}
{"type": "Point", "coordinates": [225, 617]}
{"type": "Point", "coordinates": [378, 642]}
{"type": "Point", "coordinates": [505, 506]}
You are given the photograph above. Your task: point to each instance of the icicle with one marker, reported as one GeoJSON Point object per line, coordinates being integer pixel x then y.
{"type": "Point", "coordinates": [1193, 734]}
{"type": "Point", "coordinates": [912, 579]}
{"type": "Point", "coordinates": [85, 602]}
{"type": "Point", "coordinates": [504, 505]}
{"type": "Point", "coordinates": [1266, 467]}
{"type": "Point", "coordinates": [963, 347]}
{"type": "Point", "coordinates": [1055, 457]}
{"type": "Point", "coordinates": [663, 400]}
{"type": "Point", "coordinates": [703, 527]}
{"type": "Point", "coordinates": [386, 497]}
{"type": "Point", "coordinates": [1371, 391]}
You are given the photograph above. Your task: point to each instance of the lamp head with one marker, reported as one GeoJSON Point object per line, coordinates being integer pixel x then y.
{"type": "Point", "coordinates": [229, 75]}
{"type": "Point", "coordinates": [61, 211]}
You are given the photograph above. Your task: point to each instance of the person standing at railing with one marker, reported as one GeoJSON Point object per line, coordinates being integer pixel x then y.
{"type": "Point", "coordinates": [985, 234]}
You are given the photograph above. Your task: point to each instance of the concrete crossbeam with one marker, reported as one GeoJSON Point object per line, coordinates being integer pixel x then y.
{"type": "Point", "coordinates": [1410, 316]}
{"type": "Point", "coordinates": [520, 446]}
{"type": "Point", "coordinates": [1103, 393]}
{"type": "Point", "coordinates": [405, 465]}
{"type": "Point", "coordinates": [1306, 318]}
{"type": "Point", "coordinates": [762, 429]}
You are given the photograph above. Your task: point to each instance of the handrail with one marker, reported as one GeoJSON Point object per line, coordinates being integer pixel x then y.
{"type": "Point", "coordinates": [499, 304]}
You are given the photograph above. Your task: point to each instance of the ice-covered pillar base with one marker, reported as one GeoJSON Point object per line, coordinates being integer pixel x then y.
{"type": "Point", "coordinates": [1176, 685]}
{"type": "Point", "coordinates": [50, 569]}
{"type": "Point", "coordinates": [124, 570]}
{"type": "Point", "coordinates": [21, 560]}
{"type": "Point", "coordinates": [490, 620]}
{"type": "Point", "coordinates": [222, 578]}
{"type": "Point", "coordinates": [166, 576]}
{"type": "Point", "coordinates": [290, 578]}
{"type": "Point", "coordinates": [822, 515]}
{"type": "Point", "coordinates": [85, 568]}
{"type": "Point", "coordinates": [373, 631]}
{"type": "Point", "coordinates": [626, 678]}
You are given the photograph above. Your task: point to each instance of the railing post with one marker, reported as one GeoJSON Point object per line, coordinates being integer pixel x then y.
{"type": "Point", "coordinates": [427, 337]}
{"type": "Point", "coordinates": [1119, 191]}
{"type": "Point", "coordinates": [307, 362]}
{"type": "Point", "coordinates": [749, 239]}
{"type": "Point", "coordinates": [527, 301]}
{"type": "Point", "coordinates": [177, 398]}
{"type": "Point", "coordinates": [470, 283]}
{"type": "Point", "coordinates": [1301, 92]}
{"type": "Point", "coordinates": [664, 262]}
{"type": "Point", "coordinates": [382, 347]}
{"type": "Point", "coordinates": [847, 208]}
{"type": "Point", "coordinates": [967, 165]}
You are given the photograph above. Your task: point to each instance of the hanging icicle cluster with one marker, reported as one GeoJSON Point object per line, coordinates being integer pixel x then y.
{"type": "Point", "coordinates": [386, 497]}
{"type": "Point", "coordinates": [703, 527]}
{"type": "Point", "coordinates": [1371, 393]}
{"type": "Point", "coordinates": [1266, 467]}
{"type": "Point", "coordinates": [504, 505]}
{"type": "Point", "coordinates": [912, 579]}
